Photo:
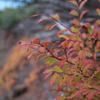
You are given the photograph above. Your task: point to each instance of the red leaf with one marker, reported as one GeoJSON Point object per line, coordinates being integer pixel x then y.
{"type": "Point", "coordinates": [82, 3]}
{"type": "Point", "coordinates": [30, 55]}
{"type": "Point", "coordinates": [77, 93]}
{"type": "Point", "coordinates": [95, 56]}
{"type": "Point", "coordinates": [53, 26]}
{"type": "Point", "coordinates": [40, 20]}
{"type": "Point", "coordinates": [38, 15]}
{"type": "Point", "coordinates": [82, 14]}
{"type": "Point", "coordinates": [53, 79]}
{"type": "Point", "coordinates": [96, 35]}
{"type": "Point", "coordinates": [62, 63]}
{"type": "Point", "coordinates": [64, 44]}
{"type": "Point", "coordinates": [91, 95]}
{"type": "Point", "coordinates": [62, 31]}
{"type": "Point", "coordinates": [45, 44]}
{"type": "Point", "coordinates": [76, 22]}
{"type": "Point", "coordinates": [45, 92]}
{"type": "Point", "coordinates": [47, 75]}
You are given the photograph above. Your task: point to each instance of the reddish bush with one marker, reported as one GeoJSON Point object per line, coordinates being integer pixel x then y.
{"type": "Point", "coordinates": [76, 77]}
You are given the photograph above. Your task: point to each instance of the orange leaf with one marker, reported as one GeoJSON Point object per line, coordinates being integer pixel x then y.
{"type": "Point", "coordinates": [45, 44]}
{"type": "Point", "coordinates": [42, 49]}
{"type": "Point", "coordinates": [64, 44]}
{"type": "Point", "coordinates": [95, 56]}
{"type": "Point", "coordinates": [36, 41]}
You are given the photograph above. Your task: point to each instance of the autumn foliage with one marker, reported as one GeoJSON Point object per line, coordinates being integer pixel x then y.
{"type": "Point", "coordinates": [72, 66]}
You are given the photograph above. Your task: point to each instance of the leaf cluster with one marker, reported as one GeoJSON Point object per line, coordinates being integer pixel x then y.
{"type": "Point", "coordinates": [75, 72]}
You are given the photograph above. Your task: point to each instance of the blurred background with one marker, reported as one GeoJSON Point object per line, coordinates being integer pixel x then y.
{"type": "Point", "coordinates": [22, 79]}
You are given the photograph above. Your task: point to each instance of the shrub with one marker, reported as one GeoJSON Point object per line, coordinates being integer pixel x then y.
{"type": "Point", "coordinates": [73, 64]}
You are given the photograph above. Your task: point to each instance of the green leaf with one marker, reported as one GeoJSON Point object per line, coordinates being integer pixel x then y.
{"type": "Point", "coordinates": [98, 11]}
{"type": "Point", "coordinates": [98, 21]}
{"type": "Point", "coordinates": [98, 75]}
{"type": "Point", "coordinates": [74, 12]}
{"type": "Point", "coordinates": [57, 69]}
{"type": "Point", "coordinates": [63, 36]}
{"type": "Point", "coordinates": [53, 78]}
{"type": "Point", "coordinates": [60, 82]}
{"type": "Point", "coordinates": [88, 28]}
{"type": "Point", "coordinates": [56, 17]}
{"type": "Point", "coordinates": [73, 2]}
{"type": "Point", "coordinates": [87, 85]}
{"type": "Point", "coordinates": [46, 44]}
{"type": "Point", "coordinates": [50, 61]}
{"type": "Point", "coordinates": [75, 29]}
{"type": "Point", "coordinates": [48, 71]}
{"type": "Point", "coordinates": [61, 98]}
